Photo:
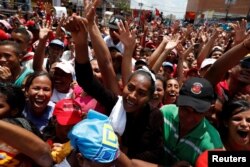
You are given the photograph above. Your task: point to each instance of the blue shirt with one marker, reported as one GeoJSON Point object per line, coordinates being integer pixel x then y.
{"type": "Point", "coordinates": [42, 121]}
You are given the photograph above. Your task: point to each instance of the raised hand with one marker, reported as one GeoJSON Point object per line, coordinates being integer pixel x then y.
{"type": "Point", "coordinates": [48, 7]}
{"type": "Point", "coordinates": [204, 36]}
{"type": "Point", "coordinates": [77, 26]}
{"type": "Point", "coordinates": [180, 49]}
{"type": "Point", "coordinates": [89, 8]}
{"type": "Point", "coordinates": [166, 38]}
{"type": "Point", "coordinates": [175, 26]}
{"type": "Point", "coordinates": [215, 33]}
{"type": "Point", "coordinates": [187, 32]}
{"type": "Point", "coordinates": [240, 30]}
{"type": "Point", "coordinates": [45, 31]}
{"type": "Point", "coordinates": [126, 36]}
{"type": "Point", "coordinates": [173, 42]}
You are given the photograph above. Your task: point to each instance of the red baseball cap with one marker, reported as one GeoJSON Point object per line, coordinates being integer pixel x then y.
{"type": "Point", "coordinates": [68, 112]}
{"type": "Point", "coordinates": [3, 35]}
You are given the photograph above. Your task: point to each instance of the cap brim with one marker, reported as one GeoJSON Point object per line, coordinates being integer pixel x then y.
{"type": "Point", "coordinates": [63, 69]}
{"type": "Point", "coordinates": [170, 67]}
{"type": "Point", "coordinates": [55, 44]}
{"type": "Point", "coordinates": [140, 62]}
{"type": "Point", "coordinates": [200, 106]}
{"type": "Point", "coordinates": [67, 119]}
{"type": "Point", "coordinates": [112, 48]}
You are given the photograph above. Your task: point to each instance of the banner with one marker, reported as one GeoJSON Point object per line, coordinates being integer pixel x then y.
{"type": "Point", "coordinates": [59, 11]}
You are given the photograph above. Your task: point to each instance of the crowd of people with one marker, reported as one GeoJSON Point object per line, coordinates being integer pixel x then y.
{"type": "Point", "coordinates": [76, 92]}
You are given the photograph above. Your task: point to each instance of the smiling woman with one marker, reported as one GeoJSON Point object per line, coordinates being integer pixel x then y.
{"type": "Point", "coordinates": [38, 91]}
{"type": "Point", "coordinates": [235, 126]}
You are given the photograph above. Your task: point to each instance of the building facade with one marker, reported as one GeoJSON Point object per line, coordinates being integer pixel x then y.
{"type": "Point", "coordinates": [209, 9]}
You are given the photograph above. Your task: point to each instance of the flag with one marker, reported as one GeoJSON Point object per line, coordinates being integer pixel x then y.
{"type": "Point", "coordinates": [157, 12]}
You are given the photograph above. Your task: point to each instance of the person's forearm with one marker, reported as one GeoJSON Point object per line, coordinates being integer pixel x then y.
{"type": "Point", "coordinates": [205, 51]}
{"type": "Point", "coordinates": [155, 55]}
{"type": "Point", "coordinates": [27, 143]}
{"type": "Point", "coordinates": [180, 74]}
{"type": "Point", "coordinates": [100, 47]}
{"type": "Point", "coordinates": [81, 49]}
{"type": "Point", "coordinates": [156, 67]}
{"type": "Point", "coordinates": [81, 53]}
{"type": "Point", "coordinates": [127, 64]}
{"type": "Point", "coordinates": [227, 61]}
{"type": "Point", "coordinates": [104, 59]}
{"type": "Point", "coordinates": [39, 55]}
{"type": "Point", "coordinates": [58, 30]}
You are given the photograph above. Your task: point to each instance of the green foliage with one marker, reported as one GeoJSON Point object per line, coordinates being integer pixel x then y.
{"type": "Point", "coordinates": [123, 5]}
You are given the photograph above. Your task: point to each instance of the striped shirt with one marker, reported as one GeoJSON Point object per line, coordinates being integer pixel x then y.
{"type": "Point", "coordinates": [203, 137]}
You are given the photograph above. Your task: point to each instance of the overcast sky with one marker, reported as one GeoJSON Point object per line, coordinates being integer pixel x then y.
{"type": "Point", "coordinates": [176, 7]}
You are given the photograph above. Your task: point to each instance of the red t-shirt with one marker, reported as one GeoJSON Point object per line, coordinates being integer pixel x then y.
{"type": "Point", "coordinates": [222, 90]}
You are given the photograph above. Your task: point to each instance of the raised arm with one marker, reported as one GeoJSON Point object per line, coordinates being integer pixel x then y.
{"type": "Point", "coordinates": [128, 39]}
{"type": "Point", "coordinates": [26, 142]}
{"type": "Point", "coordinates": [84, 74]}
{"type": "Point", "coordinates": [182, 56]}
{"type": "Point", "coordinates": [240, 31]}
{"type": "Point", "coordinates": [38, 59]}
{"type": "Point", "coordinates": [227, 61]}
{"type": "Point", "coordinates": [59, 29]}
{"type": "Point", "coordinates": [143, 37]}
{"type": "Point", "coordinates": [171, 44]}
{"type": "Point", "coordinates": [77, 26]}
{"type": "Point", "coordinates": [156, 54]}
{"type": "Point", "coordinates": [102, 52]}
{"type": "Point", "coordinates": [207, 48]}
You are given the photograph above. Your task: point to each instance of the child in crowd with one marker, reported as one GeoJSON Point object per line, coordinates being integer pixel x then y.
{"type": "Point", "coordinates": [18, 136]}
{"type": "Point", "coordinates": [159, 121]}
{"type": "Point", "coordinates": [94, 142]}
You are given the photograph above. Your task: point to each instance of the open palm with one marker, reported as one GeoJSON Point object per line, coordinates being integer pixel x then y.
{"type": "Point", "coordinates": [126, 36]}
{"type": "Point", "coordinates": [240, 30]}
{"type": "Point", "coordinates": [172, 43]}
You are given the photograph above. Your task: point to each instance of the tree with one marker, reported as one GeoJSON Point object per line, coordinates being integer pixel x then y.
{"type": "Point", "coordinates": [123, 5]}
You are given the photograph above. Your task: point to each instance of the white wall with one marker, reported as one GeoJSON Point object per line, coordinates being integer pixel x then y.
{"type": "Point", "coordinates": [176, 7]}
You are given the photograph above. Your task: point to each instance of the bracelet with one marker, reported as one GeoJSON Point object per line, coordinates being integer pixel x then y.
{"type": "Point", "coordinates": [245, 46]}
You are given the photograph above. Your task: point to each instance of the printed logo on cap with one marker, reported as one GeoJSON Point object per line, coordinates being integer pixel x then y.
{"type": "Point", "coordinates": [196, 88]}
{"type": "Point", "coordinates": [114, 20]}
{"type": "Point", "coordinates": [71, 107]}
{"type": "Point", "coordinates": [109, 137]}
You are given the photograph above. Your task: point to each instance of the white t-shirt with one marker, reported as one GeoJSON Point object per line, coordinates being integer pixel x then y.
{"type": "Point", "coordinates": [56, 96]}
{"type": "Point", "coordinates": [29, 64]}
{"type": "Point", "coordinates": [110, 43]}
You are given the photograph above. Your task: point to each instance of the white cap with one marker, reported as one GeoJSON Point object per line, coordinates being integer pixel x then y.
{"type": "Point", "coordinates": [206, 62]}
{"type": "Point", "coordinates": [67, 67]}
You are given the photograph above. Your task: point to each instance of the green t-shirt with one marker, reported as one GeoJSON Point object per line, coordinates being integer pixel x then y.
{"type": "Point", "coordinates": [22, 76]}
{"type": "Point", "coordinates": [203, 137]}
